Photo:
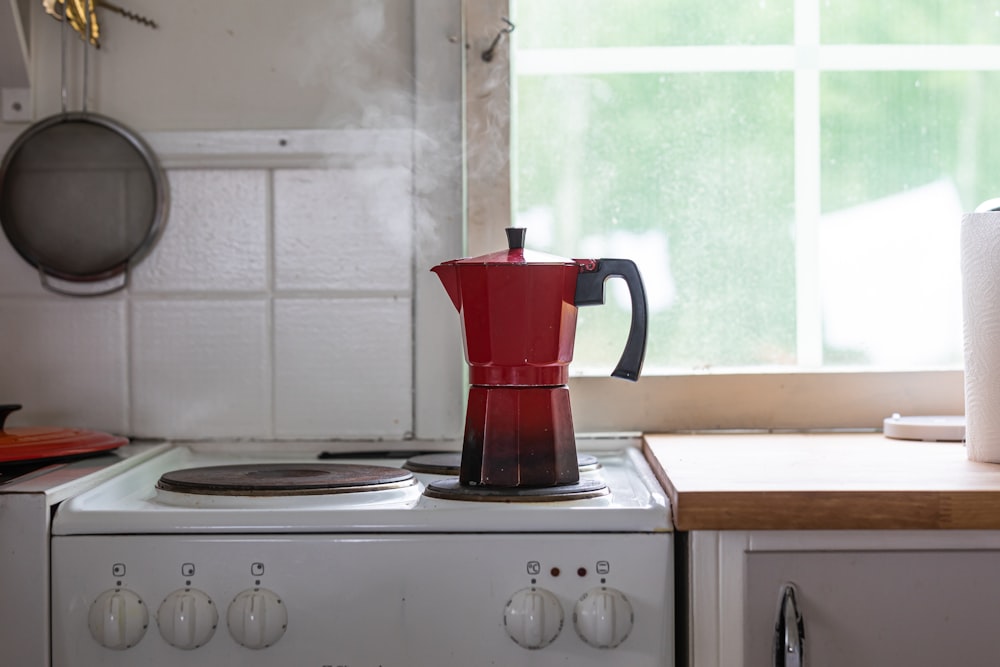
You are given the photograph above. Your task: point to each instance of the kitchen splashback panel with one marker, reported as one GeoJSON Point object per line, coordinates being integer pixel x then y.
{"type": "Point", "coordinates": [317, 242]}
{"type": "Point", "coordinates": [64, 360]}
{"type": "Point", "coordinates": [277, 304]}
{"type": "Point", "coordinates": [216, 237]}
{"type": "Point", "coordinates": [349, 355]}
{"type": "Point", "coordinates": [200, 367]}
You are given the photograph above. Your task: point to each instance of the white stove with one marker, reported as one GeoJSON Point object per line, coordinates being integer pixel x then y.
{"type": "Point", "coordinates": [388, 576]}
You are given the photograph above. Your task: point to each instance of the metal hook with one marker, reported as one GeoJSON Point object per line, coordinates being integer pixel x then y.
{"type": "Point", "coordinates": [488, 53]}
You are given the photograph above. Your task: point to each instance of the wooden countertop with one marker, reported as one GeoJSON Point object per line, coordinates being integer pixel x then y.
{"type": "Point", "coordinates": [835, 481]}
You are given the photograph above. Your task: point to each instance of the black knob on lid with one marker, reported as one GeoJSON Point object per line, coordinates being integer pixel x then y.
{"type": "Point", "coordinates": [515, 237]}
{"type": "Point", "coordinates": [5, 410]}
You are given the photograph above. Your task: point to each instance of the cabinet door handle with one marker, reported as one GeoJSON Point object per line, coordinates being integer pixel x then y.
{"type": "Point", "coordinates": [789, 634]}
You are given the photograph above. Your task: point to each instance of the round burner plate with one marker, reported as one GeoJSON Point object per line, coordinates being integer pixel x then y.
{"type": "Point", "coordinates": [449, 463]}
{"type": "Point", "coordinates": [284, 479]}
{"type": "Point", "coordinates": [451, 489]}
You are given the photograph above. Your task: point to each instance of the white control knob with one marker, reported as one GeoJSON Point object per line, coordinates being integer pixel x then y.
{"type": "Point", "coordinates": [533, 617]}
{"type": "Point", "coordinates": [118, 619]}
{"type": "Point", "coordinates": [187, 618]}
{"type": "Point", "coordinates": [257, 618]}
{"type": "Point", "coordinates": [603, 617]}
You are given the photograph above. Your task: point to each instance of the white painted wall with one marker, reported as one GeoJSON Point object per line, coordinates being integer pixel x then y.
{"type": "Point", "coordinates": [312, 149]}
{"type": "Point", "coordinates": [238, 64]}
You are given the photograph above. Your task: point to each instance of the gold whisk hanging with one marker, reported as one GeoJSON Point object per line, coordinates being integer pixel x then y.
{"type": "Point", "coordinates": [76, 11]}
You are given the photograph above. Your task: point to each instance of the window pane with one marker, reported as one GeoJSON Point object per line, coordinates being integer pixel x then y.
{"type": "Point", "coordinates": [614, 166]}
{"type": "Point", "coordinates": [787, 205]}
{"type": "Point", "coordinates": [904, 155]}
{"type": "Point", "coordinates": [888, 132]}
{"type": "Point", "coordinates": [600, 23]}
{"type": "Point", "coordinates": [910, 22]}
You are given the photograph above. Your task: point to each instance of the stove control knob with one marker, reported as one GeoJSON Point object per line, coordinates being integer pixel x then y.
{"type": "Point", "coordinates": [187, 618]}
{"type": "Point", "coordinates": [118, 619]}
{"type": "Point", "coordinates": [603, 617]}
{"type": "Point", "coordinates": [533, 617]}
{"type": "Point", "coordinates": [257, 618]}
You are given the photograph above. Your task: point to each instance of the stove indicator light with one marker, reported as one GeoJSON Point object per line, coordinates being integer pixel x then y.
{"type": "Point", "coordinates": [554, 572]}
{"type": "Point", "coordinates": [581, 571]}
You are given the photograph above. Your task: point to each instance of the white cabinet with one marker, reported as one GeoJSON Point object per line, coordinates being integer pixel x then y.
{"type": "Point", "coordinates": [865, 598]}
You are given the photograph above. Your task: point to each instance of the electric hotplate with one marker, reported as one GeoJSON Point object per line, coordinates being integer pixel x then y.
{"type": "Point", "coordinates": [283, 479]}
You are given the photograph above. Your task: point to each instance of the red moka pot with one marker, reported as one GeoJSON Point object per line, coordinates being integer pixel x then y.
{"type": "Point", "coordinates": [518, 310]}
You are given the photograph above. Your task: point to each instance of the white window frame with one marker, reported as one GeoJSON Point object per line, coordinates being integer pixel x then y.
{"type": "Point", "coordinates": [753, 400]}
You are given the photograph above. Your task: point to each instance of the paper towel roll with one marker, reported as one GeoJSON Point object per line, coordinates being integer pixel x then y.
{"type": "Point", "coordinates": [980, 245]}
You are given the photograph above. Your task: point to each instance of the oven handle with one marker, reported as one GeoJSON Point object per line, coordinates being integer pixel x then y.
{"type": "Point", "coordinates": [789, 631]}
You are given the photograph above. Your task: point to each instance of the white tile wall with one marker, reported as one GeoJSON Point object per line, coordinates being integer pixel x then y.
{"type": "Point", "coordinates": [327, 237]}
{"type": "Point", "coordinates": [342, 367]}
{"type": "Point", "coordinates": [277, 303]}
{"type": "Point", "coordinates": [65, 361]}
{"type": "Point", "coordinates": [201, 369]}
{"type": "Point", "coordinates": [16, 275]}
{"type": "Point", "coordinates": [216, 236]}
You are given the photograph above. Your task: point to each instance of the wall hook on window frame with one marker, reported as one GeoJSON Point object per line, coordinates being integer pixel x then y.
{"type": "Point", "coordinates": [487, 55]}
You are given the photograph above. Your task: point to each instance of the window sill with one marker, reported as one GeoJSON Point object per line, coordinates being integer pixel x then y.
{"type": "Point", "coordinates": [763, 401]}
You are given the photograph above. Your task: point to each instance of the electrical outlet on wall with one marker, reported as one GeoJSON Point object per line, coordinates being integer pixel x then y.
{"type": "Point", "coordinates": [15, 105]}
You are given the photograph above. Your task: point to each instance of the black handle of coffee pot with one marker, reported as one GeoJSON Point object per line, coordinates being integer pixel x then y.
{"type": "Point", "coordinates": [590, 292]}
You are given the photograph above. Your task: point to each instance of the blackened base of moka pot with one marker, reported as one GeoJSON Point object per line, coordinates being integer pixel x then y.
{"type": "Point", "coordinates": [452, 489]}
{"type": "Point", "coordinates": [519, 436]}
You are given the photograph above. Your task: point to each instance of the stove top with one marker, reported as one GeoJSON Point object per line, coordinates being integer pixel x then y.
{"type": "Point", "coordinates": [283, 479]}
{"type": "Point", "coordinates": [383, 496]}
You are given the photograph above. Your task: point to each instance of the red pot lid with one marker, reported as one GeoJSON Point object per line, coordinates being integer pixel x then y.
{"type": "Point", "coordinates": [45, 442]}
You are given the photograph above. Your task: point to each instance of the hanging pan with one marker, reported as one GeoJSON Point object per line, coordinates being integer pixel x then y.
{"type": "Point", "coordinates": [82, 197]}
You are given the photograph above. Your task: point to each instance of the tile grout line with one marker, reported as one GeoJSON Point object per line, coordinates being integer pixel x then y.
{"type": "Point", "coordinates": [271, 290]}
{"type": "Point", "coordinates": [129, 364]}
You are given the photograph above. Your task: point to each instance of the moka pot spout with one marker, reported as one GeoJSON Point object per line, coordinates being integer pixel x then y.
{"type": "Point", "coordinates": [448, 273]}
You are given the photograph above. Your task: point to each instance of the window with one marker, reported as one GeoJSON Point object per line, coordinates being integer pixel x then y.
{"type": "Point", "coordinates": [789, 176]}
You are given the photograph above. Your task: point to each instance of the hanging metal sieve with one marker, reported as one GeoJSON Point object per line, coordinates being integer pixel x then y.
{"type": "Point", "coordinates": [82, 197]}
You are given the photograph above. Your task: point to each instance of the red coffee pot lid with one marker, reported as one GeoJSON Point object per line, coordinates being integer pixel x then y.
{"type": "Point", "coordinates": [516, 253]}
